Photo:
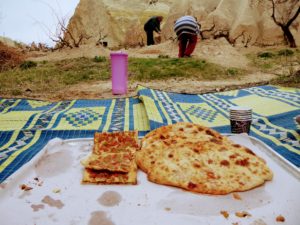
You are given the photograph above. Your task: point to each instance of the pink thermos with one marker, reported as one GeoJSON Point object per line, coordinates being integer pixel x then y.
{"type": "Point", "coordinates": [119, 69]}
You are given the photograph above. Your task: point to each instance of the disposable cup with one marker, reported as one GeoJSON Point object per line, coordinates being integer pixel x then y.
{"type": "Point", "coordinates": [240, 119]}
{"type": "Point", "coordinates": [237, 117]}
{"type": "Point", "coordinates": [119, 70]}
{"type": "Point", "coordinates": [240, 108]}
{"type": "Point", "coordinates": [240, 126]}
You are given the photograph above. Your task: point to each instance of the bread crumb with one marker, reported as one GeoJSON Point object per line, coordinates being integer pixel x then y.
{"type": "Point", "coordinates": [280, 218]}
{"type": "Point", "coordinates": [242, 214]}
{"type": "Point", "coordinates": [38, 181]}
{"type": "Point", "coordinates": [56, 190]}
{"type": "Point", "coordinates": [236, 196]}
{"type": "Point", "coordinates": [24, 187]}
{"type": "Point", "coordinates": [225, 214]}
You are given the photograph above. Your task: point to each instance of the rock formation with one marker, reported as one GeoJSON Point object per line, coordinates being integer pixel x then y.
{"type": "Point", "coordinates": [119, 23]}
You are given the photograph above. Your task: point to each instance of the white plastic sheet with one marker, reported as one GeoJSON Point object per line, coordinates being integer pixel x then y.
{"type": "Point", "coordinates": [58, 197]}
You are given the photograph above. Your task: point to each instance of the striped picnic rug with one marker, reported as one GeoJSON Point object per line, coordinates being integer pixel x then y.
{"type": "Point", "coordinates": [26, 126]}
{"type": "Point", "coordinates": [274, 111]}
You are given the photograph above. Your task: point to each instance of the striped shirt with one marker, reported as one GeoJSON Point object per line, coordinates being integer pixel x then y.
{"type": "Point", "coordinates": [186, 24]}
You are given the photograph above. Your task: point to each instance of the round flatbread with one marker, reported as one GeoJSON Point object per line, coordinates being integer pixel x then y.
{"type": "Point", "coordinates": [199, 159]}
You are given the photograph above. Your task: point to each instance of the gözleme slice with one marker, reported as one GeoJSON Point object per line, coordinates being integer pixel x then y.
{"type": "Point", "coordinates": [199, 159]}
{"type": "Point", "coordinates": [113, 159]}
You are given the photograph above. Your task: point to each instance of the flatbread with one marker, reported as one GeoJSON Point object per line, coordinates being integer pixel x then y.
{"type": "Point", "coordinates": [117, 162]}
{"type": "Point", "coordinates": [115, 142]}
{"type": "Point", "coordinates": [199, 159]}
{"type": "Point", "coordinates": [113, 159]}
{"type": "Point", "coordinates": [177, 135]}
{"type": "Point", "coordinates": [108, 177]}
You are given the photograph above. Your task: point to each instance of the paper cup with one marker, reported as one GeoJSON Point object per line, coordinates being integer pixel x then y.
{"type": "Point", "coordinates": [242, 126]}
{"type": "Point", "coordinates": [240, 119]}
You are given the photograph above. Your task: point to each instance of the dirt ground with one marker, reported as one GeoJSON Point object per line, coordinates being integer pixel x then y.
{"type": "Point", "coordinates": [102, 89]}
{"type": "Point", "coordinates": [216, 51]}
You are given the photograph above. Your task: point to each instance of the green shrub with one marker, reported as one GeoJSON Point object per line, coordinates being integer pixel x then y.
{"type": "Point", "coordinates": [28, 64]}
{"type": "Point", "coordinates": [285, 52]}
{"type": "Point", "coordinates": [99, 59]}
{"type": "Point", "coordinates": [267, 66]}
{"type": "Point", "coordinates": [163, 56]}
{"type": "Point", "coordinates": [15, 92]}
{"type": "Point", "coordinates": [265, 55]}
{"type": "Point", "coordinates": [232, 71]}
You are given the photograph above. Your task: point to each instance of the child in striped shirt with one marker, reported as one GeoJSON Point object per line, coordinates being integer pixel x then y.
{"type": "Point", "coordinates": [187, 30]}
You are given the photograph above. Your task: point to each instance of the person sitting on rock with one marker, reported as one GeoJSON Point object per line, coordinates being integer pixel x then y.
{"type": "Point", "coordinates": [153, 24]}
{"type": "Point", "coordinates": [187, 29]}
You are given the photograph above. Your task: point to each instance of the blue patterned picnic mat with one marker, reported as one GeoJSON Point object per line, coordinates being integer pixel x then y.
{"type": "Point", "coordinates": [274, 112]}
{"type": "Point", "coordinates": [27, 125]}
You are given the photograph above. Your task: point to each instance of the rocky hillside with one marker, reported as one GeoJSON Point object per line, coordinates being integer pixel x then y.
{"type": "Point", "coordinates": [120, 22]}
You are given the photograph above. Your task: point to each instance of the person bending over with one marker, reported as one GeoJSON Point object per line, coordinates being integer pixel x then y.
{"type": "Point", "coordinates": [153, 24]}
{"type": "Point", "coordinates": [187, 29]}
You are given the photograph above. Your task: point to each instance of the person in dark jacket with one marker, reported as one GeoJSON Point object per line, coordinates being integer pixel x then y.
{"type": "Point", "coordinates": [153, 24]}
{"type": "Point", "coordinates": [187, 29]}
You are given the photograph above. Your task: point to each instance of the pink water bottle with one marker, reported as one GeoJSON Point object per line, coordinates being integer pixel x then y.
{"type": "Point", "coordinates": [119, 68]}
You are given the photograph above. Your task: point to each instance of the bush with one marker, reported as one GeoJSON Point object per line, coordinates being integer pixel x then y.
{"type": "Point", "coordinates": [285, 52]}
{"type": "Point", "coordinates": [163, 56]}
{"type": "Point", "coordinates": [15, 92]}
{"type": "Point", "coordinates": [9, 57]}
{"type": "Point", "coordinates": [28, 64]}
{"type": "Point", "coordinates": [99, 59]}
{"type": "Point", "coordinates": [265, 55]}
{"type": "Point", "coordinates": [232, 71]}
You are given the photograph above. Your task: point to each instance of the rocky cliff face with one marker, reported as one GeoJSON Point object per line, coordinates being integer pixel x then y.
{"type": "Point", "coordinates": [120, 22]}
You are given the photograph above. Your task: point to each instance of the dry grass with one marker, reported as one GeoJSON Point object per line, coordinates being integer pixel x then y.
{"type": "Point", "coordinates": [278, 61]}
{"type": "Point", "coordinates": [9, 57]}
{"type": "Point", "coordinates": [50, 77]}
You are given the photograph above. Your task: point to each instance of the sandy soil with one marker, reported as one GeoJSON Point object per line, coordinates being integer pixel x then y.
{"type": "Point", "coordinates": [216, 51]}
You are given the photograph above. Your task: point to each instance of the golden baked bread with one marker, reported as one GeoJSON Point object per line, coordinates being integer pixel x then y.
{"type": "Point", "coordinates": [118, 162]}
{"type": "Point", "coordinates": [113, 159]}
{"type": "Point", "coordinates": [108, 177]}
{"type": "Point", "coordinates": [115, 142]}
{"type": "Point", "coordinates": [199, 159]}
